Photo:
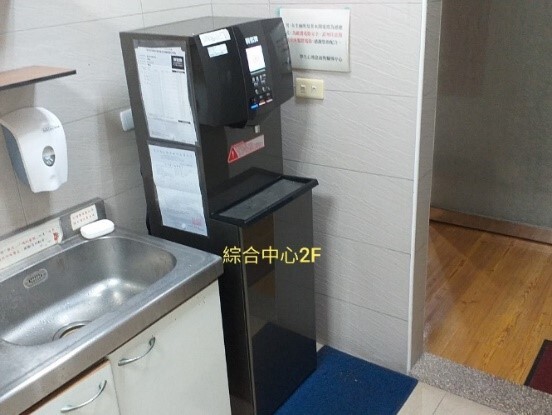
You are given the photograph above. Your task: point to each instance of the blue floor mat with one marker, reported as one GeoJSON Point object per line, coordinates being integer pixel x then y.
{"type": "Point", "coordinates": [345, 385]}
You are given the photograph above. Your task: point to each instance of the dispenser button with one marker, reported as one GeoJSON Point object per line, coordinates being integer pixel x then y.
{"type": "Point", "coordinates": [48, 156]}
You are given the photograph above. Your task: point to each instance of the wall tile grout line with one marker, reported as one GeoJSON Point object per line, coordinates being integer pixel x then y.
{"type": "Point", "coordinates": [70, 23]}
{"type": "Point", "coordinates": [340, 2]}
{"type": "Point", "coordinates": [179, 8]}
{"type": "Point", "coordinates": [362, 242]}
{"type": "Point", "coordinates": [142, 13]}
{"type": "Point", "coordinates": [17, 182]}
{"type": "Point", "coordinates": [363, 307]}
{"type": "Point", "coordinates": [351, 170]}
{"type": "Point", "coordinates": [378, 311]}
{"type": "Point", "coordinates": [142, 9]}
{"type": "Point", "coordinates": [125, 191]}
{"type": "Point", "coordinates": [97, 114]}
{"type": "Point", "coordinates": [365, 92]}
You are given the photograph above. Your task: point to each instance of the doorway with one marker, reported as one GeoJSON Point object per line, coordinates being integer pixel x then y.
{"type": "Point", "coordinates": [489, 295]}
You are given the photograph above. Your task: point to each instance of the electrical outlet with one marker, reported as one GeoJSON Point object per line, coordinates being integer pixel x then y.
{"type": "Point", "coordinates": [309, 88]}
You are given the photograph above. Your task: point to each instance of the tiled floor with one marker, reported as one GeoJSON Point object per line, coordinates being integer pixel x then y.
{"type": "Point", "coordinates": [428, 400]}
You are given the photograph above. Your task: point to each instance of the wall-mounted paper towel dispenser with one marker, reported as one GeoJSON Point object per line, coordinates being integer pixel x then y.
{"type": "Point", "coordinates": [36, 144]}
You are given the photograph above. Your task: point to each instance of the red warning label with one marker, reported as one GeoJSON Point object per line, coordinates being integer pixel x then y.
{"type": "Point", "coordinates": [243, 148]}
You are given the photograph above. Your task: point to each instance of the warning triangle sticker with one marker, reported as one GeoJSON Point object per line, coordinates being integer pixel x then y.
{"type": "Point", "coordinates": [232, 155]}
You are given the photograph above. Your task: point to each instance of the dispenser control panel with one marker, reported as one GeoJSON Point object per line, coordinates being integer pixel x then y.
{"type": "Point", "coordinates": [257, 68]}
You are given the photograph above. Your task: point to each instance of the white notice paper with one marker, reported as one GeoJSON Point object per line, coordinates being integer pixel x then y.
{"type": "Point", "coordinates": [164, 89]}
{"type": "Point", "coordinates": [318, 38]}
{"type": "Point", "coordinates": [176, 180]}
{"type": "Point", "coordinates": [210, 38]}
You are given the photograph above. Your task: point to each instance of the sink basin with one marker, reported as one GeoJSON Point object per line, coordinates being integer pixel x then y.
{"type": "Point", "coordinates": [65, 308]}
{"type": "Point", "coordinates": [57, 296]}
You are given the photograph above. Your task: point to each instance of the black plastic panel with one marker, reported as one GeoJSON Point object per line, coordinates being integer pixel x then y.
{"type": "Point", "coordinates": [266, 201]}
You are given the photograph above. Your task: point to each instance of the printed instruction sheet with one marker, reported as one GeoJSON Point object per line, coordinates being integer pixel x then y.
{"type": "Point", "coordinates": [176, 180]}
{"type": "Point", "coordinates": [318, 38]}
{"type": "Point", "coordinates": [164, 89]}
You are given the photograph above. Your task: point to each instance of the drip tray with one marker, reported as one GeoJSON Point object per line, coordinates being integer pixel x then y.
{"type": "Point", "coordinates": [266, 201]}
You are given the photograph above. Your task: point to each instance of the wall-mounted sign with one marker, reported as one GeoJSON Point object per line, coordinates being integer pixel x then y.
{"type": "Point", "coordinates": [318, 38]}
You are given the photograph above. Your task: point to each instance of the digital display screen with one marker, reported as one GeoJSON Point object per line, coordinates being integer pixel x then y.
{"type": "Point", "coordinates": [255, 58]}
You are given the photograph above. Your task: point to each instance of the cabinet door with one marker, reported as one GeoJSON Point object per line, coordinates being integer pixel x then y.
{"type": "Point", "coordinates": [92, 394]}
{"type": "Point", "coordinates": [178, 365]}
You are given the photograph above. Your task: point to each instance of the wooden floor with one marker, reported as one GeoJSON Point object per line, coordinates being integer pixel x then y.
{"type": "Point", "coordinates": [489, 300]}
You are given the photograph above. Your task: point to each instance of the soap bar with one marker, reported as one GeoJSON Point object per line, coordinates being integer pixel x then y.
{"type": "Point", "coordinates": [96, 229]}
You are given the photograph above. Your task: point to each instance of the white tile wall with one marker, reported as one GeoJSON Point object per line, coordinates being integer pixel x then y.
{"type": "Point", "coordinates": [364, 333]}
{"type": "Point", "coordinates": [12, 99]}
{"type": "Point", "coordinates": [360, 206]}
{"type": "Point", "coordinates": [168, 16]}
{"type": "Point", "coordinates": [11, 211]}
{"type": "Point", "coordinates": [32, 14]}
{"type": "Point", "coordinates": [82, 35]}
{"type": "Point", "coordinates": [362, 274]}
{"type": "Point", "coordinates": [424, 180]}
{"type": "Point", "coordinates": [384, 49]}
{"type": "Point", "coordinates": [156, 5]}
{"type": "Point", "coordinates": [332, 3]}
{"type": "Point", "coordinates": [238, 2]}
{"type": "Point", "coordinates": [91, 47]}
{"type": "Point", "coordinates": [128, 209]}
{"type": "Point", "coordinates": [373, 133]}
{"type": "Point", "coordinates": [238, 8]}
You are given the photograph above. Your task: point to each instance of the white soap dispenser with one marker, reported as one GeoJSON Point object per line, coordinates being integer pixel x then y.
{"type": "Point", "coordinates": [36, 143]}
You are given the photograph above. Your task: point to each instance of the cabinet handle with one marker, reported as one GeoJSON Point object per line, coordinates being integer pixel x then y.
{"type": "Point", "coordinates": [126, 361]}
{"type": "Point", "coordinates": [70, 408]}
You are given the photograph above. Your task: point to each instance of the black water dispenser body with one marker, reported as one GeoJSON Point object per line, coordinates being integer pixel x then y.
{"type": "Point", "coordinates": [258, 219]}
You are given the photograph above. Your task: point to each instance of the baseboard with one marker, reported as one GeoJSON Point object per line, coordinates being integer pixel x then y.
{"type": "Point", "coordinates": [518, 230]}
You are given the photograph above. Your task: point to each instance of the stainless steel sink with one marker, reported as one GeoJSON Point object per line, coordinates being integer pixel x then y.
{"type": "Point", "coordinates": [62, 294]}
{"type": "Point", "coordinates": [65, 308]}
